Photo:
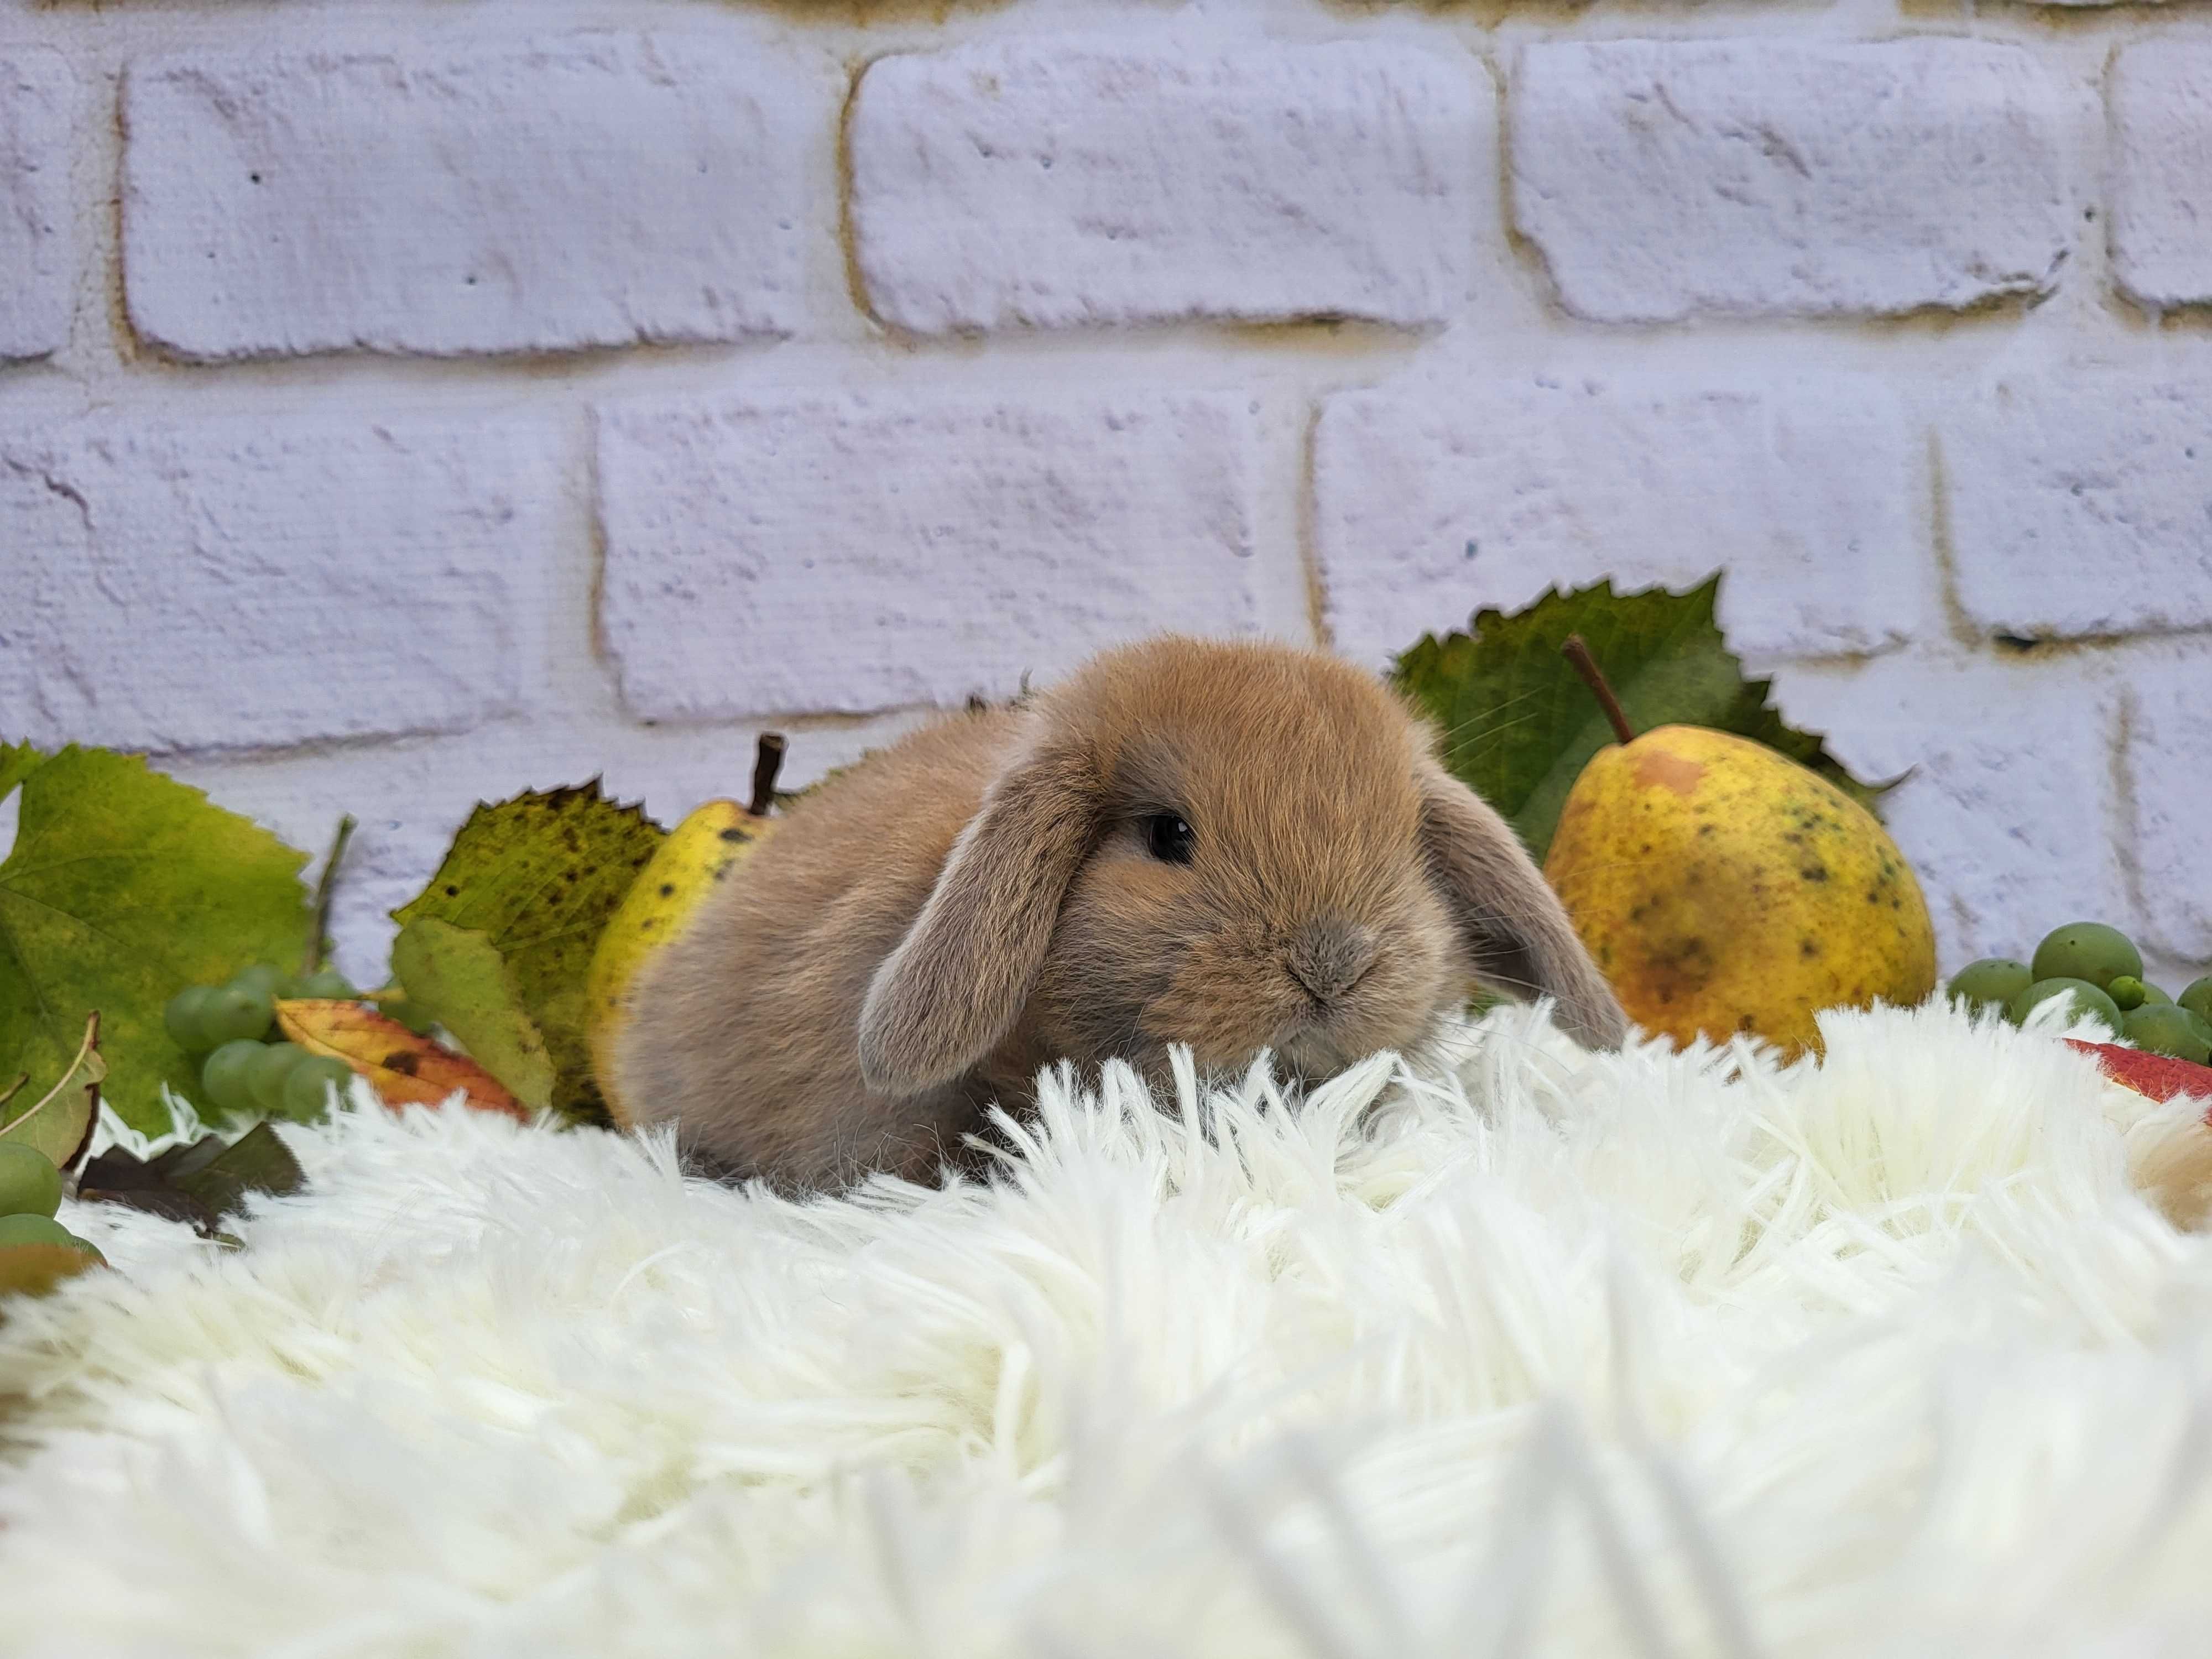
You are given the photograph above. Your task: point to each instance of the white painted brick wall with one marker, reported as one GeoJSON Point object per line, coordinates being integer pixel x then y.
{"type": "Point", "coordinates": [257, 582]}
{"type": "Point", "coordinates": [37, 249]}
{"type": "Point", "coordinates": [1435, 498]}
{"type": "Point", "coordinates": [2082, 505]}
{"type": "Point", "coordinates": [779, 554]}
{"type": "Point", "coordinates": [2161, 108]}
{"type": "Point", "coordinates": [1050, 182]}
{"type": "Point", "coordinates": [2169, 782]}
{"type": "Point", "coordinates": [806, 368]}
{"type": "Point", "coordinates": [1660, 179]}
{"type": "Point", "coordinates": [589, 190]}
{"type": "Point", "coordinates": [2007, 807]}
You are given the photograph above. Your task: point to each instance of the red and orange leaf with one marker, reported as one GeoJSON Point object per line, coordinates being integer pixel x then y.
{"type": "Point", "coordinates": [404, 1069]}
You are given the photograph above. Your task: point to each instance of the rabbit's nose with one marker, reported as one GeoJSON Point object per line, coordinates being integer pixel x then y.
{"type": "Point", "coordinates": [1329, 958]}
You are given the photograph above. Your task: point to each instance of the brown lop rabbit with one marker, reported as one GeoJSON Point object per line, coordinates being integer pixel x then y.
{"type": "Point", "coordinates": [1236, 846]}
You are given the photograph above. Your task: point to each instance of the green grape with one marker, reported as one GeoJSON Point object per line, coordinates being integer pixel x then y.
{"type": "Point", "coordinates": [2128, 992]}
{"type": "Point", "coordinates": [186, 1019]}
{"type": "Point", "coordinates": [234, 1012]}
{"type": "Point", "coordinates": [224, 1075]}
{"type": "Point", "coordinates": [263, 979]}
{"type": "Point", "coordinates": [306, 1089]}
{"type": "Point", "coordinates": [2089, 1001]}
{"type": "Point", "coordinates": [29, 1183]}
{"type": "Point", "coordinates": [2161, 1028]}
{"type": "Point", "coordinates": [327, 984]}
{"type": "Point", "coordinates": [2197, 999]}
{"type": "Point", "coordinates": [1992, 982]}
{"type": "Point", "coordinates": [2087, 951]}
{"type": "Point", "coordinates": [266, 1071]}
{"type": "Point", "coordinates": [39, 1230]}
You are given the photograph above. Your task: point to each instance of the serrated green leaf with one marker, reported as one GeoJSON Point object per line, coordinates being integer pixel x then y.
{"type": "Point", "coordinates": [17, 761]}
{"type": "Point", "coordinates": [538, 876]}
{"type": "Point", "coordinates": [458, 976]}
{"type": "Point", "coordinates": [1519, 723]}
{"type": "Point", "coordinates": [123, 888]}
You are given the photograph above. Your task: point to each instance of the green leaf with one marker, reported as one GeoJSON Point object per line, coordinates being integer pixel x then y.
{"type": "Point", "coordinates": [257, 1162]}
{"type": "Point", "coordinates": [58, 1125]}
{"type": "Point", "coordinates": [1519, 723]}
{"type": "Point", "coordinates": [201, 1183]}
{"type": "Point", "coordinates": [458, 976]}
{"type": "Point", "coordinates": [538, 876]}
{"type": "Point", "coordinates": [17, 761]}
{"type": "Point", "coordinates": [124, 887]}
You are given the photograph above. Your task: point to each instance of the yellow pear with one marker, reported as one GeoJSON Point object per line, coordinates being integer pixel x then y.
{"type": "Point", "coordinates": [715, 837]}
{"type": "Point", "coordinates": [1724, 889]}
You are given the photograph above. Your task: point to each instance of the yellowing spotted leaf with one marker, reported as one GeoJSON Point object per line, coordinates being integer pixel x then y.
{"type": "Point", "coordinates": [535, 878]}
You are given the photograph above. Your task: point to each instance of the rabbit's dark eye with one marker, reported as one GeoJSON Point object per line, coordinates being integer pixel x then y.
{"type": "Point", "coordinates": [1168, 838]}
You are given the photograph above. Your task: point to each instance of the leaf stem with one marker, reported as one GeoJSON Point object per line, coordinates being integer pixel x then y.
{"type": "Point", "coordinates": [1593, 677]}
{"type": "Point", "coordinates": [94, 1073]}
{"type": "Point", "coordinates": [768, 761]}
{"type": "Point", "coordinates": [326, 886]}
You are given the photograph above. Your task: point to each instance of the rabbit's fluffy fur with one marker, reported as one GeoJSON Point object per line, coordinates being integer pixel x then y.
{"type": "Point", "coordinates": [989, 895]}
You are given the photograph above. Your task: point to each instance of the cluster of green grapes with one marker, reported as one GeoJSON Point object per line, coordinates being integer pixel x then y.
{"type": "Point", "coordinates": [2101, 970]}
{"type": "Point", "coordinates": [247, 1067]}
{"type": "Point", "coordinates": [30, 1194]}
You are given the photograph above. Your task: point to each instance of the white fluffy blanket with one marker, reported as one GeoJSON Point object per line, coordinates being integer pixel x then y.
{"type": "Point", "coordinates": [1558, 1356]}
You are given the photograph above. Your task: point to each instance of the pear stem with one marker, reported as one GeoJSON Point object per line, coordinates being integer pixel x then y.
{"type": "Point", "coordinates": [768, 761]}
{"type": "Point", "coordinates": [1586, 666]}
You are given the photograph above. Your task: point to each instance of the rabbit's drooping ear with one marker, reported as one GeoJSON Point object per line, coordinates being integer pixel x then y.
{"type": "Point", "coordinates": [1511, 921]}
{"type": "Point", "coordinates": [957, 982]}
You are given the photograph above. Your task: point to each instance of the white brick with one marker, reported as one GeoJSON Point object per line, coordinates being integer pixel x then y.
{"type": "Point", "coordinates": [1438, 496]}
{"type": "Point", "coordinates": [1663, 179]}
{"type": "Point", "coordinates": [2006, 815]}
{"type": "Point", "coordinates": [583, 190]}
{"type": "Point", "coordinates": [2161, 120]}
{"type": "Point", "coordinates": [2081, 504]}
{"type": "Point", "coordinates": [781, 553]}
{"type": "Point", "coordinates": [235, 584]}
{"type": "Point", "coordinates": [1098, 182]}
{"type": "Point", "coordinates": [38, 261]}
{"type": "Point", "coordinates": [2170, 768]}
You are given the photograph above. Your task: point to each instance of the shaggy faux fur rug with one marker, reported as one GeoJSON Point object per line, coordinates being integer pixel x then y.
{"type": "Point", "coordinates": [1901, 1354]}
